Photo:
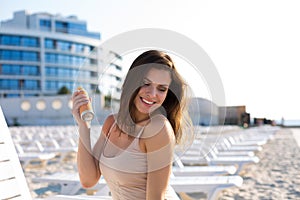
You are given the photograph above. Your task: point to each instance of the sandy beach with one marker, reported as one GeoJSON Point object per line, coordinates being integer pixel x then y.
{"type": "Point", "coordinates": [276, 176]}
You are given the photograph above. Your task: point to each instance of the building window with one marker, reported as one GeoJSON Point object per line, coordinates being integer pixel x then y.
{"type": "Point", "coordinates": [20, 70]}
{"type": "Point", "coordinates": [14, 55]}
{"type": "Point", "coordinates": [19, 55]}
{"type": "Point", "coordinates": [11, 95]}
{"type": "Point", "coordinates": [79, 48]}
{"type": "Point", "coordinates": [63, 72]}
{"type": "Point", "coordinates": [56, 85]}
{"type": "Point", "coordinates": [30, 42]}
{"type": "Point", "coordinates": [11, 69]}
{"type": "Point", "coordinates": [31, 85]}
{"type": "Point", "coordinates": [30, 70]}
{"type": "Point", "coordinates": [66, 59]}
{"type": "Point", "coordinates": [51, 85]}
{"type": "Point", "coordinates": [51, 71]}
{"type": "Point", "coordinates": [51, 58]}
{"type": "Point", "coordinates": [61, 27]}
{"type": "Point", "coordinates": [29, 56]}
{"type": "Point", "coordinates": [11, 40]}
{"type": "Point", "coordinates": [14, 40]}
{"type": "Point", "coordinates": [77, 27]}
{"type": "Point", "coordinates": [64, 46]}
{"type": "Point", "coordinates": [49, 44]}
{"type": "Point", "coordinates": [45, 25]}
{"type": "Point", "coordinates": [5, 40]}
{"type": "Point", "coordinates": [7, 84]}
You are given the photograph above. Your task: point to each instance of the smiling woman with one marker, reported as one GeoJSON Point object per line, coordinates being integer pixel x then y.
{"type": "Point", "coordinates": [153, 93]}
{"type": "Point", "coordinates": [135, 150]}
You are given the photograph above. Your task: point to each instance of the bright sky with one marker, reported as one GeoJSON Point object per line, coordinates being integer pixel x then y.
{"type": "Point", "coordinates": [255, 45]}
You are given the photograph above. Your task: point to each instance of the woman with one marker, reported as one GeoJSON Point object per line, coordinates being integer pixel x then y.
{"type": "Point", "coordinates": [135, 150]}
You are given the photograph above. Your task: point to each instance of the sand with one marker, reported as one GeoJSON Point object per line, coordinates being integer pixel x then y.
{"type": "Point", "coordinates": [42, 190]}
{"type": "Point", "coordinates": [276, 176]}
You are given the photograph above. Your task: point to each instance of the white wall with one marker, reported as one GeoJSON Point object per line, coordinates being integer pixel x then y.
{"type": "Point", "coordinates": [12, 108]}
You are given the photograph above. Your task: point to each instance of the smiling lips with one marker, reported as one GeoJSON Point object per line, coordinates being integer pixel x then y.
{"type": "Point", "coordinates": [147, 102]}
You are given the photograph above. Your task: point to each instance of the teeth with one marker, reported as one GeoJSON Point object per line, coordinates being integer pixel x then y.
{"type": "Point", "coordinates": [147, 102]}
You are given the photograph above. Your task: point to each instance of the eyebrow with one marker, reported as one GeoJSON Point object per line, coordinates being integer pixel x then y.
{"type": "Point", "coordinates": [165, 85]}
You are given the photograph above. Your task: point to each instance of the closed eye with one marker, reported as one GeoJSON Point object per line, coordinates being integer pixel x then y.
{"type": "Point", "coordinates": [162, 89]}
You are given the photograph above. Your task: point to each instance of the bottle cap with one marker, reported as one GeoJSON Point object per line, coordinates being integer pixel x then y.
{"type": "Point", "coordinates": [87, 115]}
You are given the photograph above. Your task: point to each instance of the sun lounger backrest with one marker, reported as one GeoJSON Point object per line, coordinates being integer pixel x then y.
{"type": "Point", "coordinates": [177, 161]}
{"type": "Point", "coordinates": [13, 184]}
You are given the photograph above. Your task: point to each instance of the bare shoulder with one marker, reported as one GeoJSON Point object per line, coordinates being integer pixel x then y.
{"type": "Point", "coordinates": [108, 123]}
{"type": "Point", "coordinates": [158, 133]}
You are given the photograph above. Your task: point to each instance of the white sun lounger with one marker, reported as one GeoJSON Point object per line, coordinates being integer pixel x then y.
{"type": "Point", "coordinates": [239, 161]}
{"type": "Point", "coordinates": [45, 140]}
{"type": "Point", "coordinates": [195, 151]}
{"type": "Point", "coordinates": [211, 185]}
{"type": "Point", "coordinates": [28, 158]}
{"type": "Point", "coordinates": [205, 179]}
{"type": "Point", "coordinates": [52, 146]}
{"type": "Point", "coordinates": [13, 185]}
{"type": "Point", "coordinates": [12, 180]}
{"type": "Point", "coordinates": [179, 169]}
{"type": "Point", "coordinates": [70, 183]}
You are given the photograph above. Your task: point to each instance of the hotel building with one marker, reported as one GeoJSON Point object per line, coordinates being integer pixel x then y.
{"type": "Point", "coordinates": [41, 54]}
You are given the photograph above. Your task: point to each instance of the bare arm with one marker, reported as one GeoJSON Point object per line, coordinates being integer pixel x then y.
{"type": "Point", "coordinates": [159, 157]}
{"type": "Point", "coordinates": [87, 163]}
{"type": "Point", "coordinates": [87, 158]}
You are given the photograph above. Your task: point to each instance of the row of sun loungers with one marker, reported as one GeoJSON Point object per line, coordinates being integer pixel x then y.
{"type": "Point", "coordinates": [39, 145]}
{"type": "Point", "coordinates": [213, 163]}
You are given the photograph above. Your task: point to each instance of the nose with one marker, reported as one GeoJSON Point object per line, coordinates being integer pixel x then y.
{"type": "Point", "coordinates": [151, 91]}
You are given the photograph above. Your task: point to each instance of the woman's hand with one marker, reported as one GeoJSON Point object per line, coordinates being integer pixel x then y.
{"type": "Point", "coordinates": [78, 99]}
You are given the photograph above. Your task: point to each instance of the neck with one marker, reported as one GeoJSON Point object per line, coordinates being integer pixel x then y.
{"type": "Point", "coordinates": [141, 117]}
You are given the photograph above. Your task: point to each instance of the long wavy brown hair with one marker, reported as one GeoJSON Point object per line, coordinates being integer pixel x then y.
{"type": "Point", "coordinates": [175, 101]}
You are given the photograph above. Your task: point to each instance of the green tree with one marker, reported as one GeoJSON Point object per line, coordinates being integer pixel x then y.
{"type": "Point", "coordinates": [64, 90]}
{"type": "Point", "coordinates": [107, 100]}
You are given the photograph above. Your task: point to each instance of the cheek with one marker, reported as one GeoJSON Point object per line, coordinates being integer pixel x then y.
{"type": "Point", "coordinates": [136, 99]}
{"type": "Point", "coordinates": [162, 97]}
{"type": "Point", "coordinates": [142, 91]}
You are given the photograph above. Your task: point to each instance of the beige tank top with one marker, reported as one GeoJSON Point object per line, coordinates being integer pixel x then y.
{"type": "Point", "coordinates": [126, 173]}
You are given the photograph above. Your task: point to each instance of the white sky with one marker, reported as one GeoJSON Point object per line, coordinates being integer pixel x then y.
{"type": "Point", "coordinates": [255, 45]}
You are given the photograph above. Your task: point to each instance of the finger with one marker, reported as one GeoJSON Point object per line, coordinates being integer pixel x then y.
{"type": "Point", "coordinates": [75, 93]}
{"type": "Point", "coordinates": [80, 102]}
{"type": "Point", "coordinates": [79, 97]}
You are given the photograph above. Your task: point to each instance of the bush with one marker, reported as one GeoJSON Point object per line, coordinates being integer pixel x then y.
{"type": "Point", "coordinates": [64, 90]}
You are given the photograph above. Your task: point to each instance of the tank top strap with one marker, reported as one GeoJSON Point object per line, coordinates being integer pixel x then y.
{"type": "Point", "coordinates": [109, 132]}
{"type": "Point", "coordinates": [141, 132]}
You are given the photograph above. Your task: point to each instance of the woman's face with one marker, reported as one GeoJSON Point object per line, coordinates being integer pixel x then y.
{"type": "Point", "coordinates": [152, 93]}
